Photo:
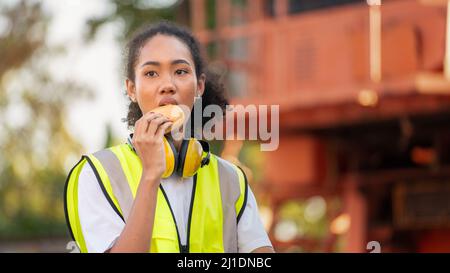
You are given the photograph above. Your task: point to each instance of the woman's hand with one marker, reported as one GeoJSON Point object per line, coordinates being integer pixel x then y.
{"type": "Point", "coordinates": [148, 143]}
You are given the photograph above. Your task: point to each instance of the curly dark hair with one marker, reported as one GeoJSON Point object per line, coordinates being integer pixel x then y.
{"type": "Point", "coordinates": [214, 92]}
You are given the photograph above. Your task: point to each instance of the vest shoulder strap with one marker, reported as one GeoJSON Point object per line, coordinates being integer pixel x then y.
{"type": "Point", "coordinates": [71, 205]}
{"type": "Point", "coordinates": [242, 201]}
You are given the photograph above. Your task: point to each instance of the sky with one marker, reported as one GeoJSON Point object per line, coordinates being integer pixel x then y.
{"type": "Point", "coordinates": [96, 64]}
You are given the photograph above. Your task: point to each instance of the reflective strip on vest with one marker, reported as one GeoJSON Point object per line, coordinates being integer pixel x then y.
{"type": "Point", "coordinates": [218, 200]}
{"type": "Point", "coordinates": [121, 190]}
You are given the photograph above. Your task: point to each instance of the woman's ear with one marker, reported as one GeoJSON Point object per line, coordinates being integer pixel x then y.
{"type": "Point", "coordinates": [131, 90]}
{"type": "Point", "coordinates": [201, 85]}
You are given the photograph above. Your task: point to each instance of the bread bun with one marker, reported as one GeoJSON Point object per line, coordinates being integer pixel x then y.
{"type": "Point", "coordinates": [174, 113]}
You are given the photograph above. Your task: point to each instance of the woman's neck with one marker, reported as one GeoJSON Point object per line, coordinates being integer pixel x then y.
{"type": "Point", "coordinates": [177, 144]}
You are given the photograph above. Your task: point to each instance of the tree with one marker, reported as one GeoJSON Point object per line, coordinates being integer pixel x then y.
{"type": "Point", "coordinates": [36, 147]}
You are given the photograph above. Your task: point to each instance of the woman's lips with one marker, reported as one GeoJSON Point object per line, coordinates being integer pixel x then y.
{"type": "Point", "coordinates": [167, 100]}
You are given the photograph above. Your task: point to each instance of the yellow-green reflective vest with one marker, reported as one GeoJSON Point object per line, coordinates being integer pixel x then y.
{"type": "Point", "coordinates": [219, 197]}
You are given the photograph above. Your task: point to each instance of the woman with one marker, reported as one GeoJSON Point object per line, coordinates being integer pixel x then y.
{"type": "Point", "coordinates": [121, 199]}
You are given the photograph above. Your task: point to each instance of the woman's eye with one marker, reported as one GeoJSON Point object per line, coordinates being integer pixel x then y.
{"type": "Point", "coordinates": [181, 72]}
{"type": "Point", "coordinates": [151, 74]}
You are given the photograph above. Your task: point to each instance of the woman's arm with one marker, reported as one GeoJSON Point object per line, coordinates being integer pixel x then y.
{"type": "Point", "coordinates": [148, 143]}
{"type": "Point", "coordinates": [137, 234]}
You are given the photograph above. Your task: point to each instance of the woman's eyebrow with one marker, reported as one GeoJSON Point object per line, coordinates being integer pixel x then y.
{"type": "Point", "coordinates": [150, 63]}
{"type": "Point", "coordinates": [178, 61]}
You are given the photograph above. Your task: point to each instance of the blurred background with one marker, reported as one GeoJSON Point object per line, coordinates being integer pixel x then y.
{"type": "Point", "coordinates": [363, 162]}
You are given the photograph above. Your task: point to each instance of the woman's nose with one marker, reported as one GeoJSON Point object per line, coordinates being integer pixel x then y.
{"type": "Point", "coordinates": [167, 86]}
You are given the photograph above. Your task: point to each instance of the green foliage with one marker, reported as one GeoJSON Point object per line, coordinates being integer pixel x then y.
{"type": "Point", "coordinates": [211, 14]}
{"type": "Point", "coordinates": [310, 220]}
{"type": "Point", "coordinates": [252, 157]}
{"type": "Point", "coordinates": [295, 211]}
{"type": "Point", "coordinates": [133, 14]}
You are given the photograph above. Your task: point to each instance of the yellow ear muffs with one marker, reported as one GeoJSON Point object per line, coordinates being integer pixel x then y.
{"type": "Point", "coordinates": [188, 161]}
{"type": "Point", "coordinates": [171, 158]}
{"type": "Point", "coordinates": [190, 157]}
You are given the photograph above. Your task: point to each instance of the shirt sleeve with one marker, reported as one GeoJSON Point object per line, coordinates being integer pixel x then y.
{"type": "Point", "coordinates": [251, 233]}
{"type": "Point", "coordinates": [100, 224]}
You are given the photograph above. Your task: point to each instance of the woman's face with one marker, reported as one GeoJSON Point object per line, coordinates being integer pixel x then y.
{"type": "Point", "coordinates": [164, 74]}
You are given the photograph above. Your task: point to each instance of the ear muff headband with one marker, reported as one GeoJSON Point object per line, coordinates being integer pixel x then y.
{"type": "Point", "coordinates": [182, 156]}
